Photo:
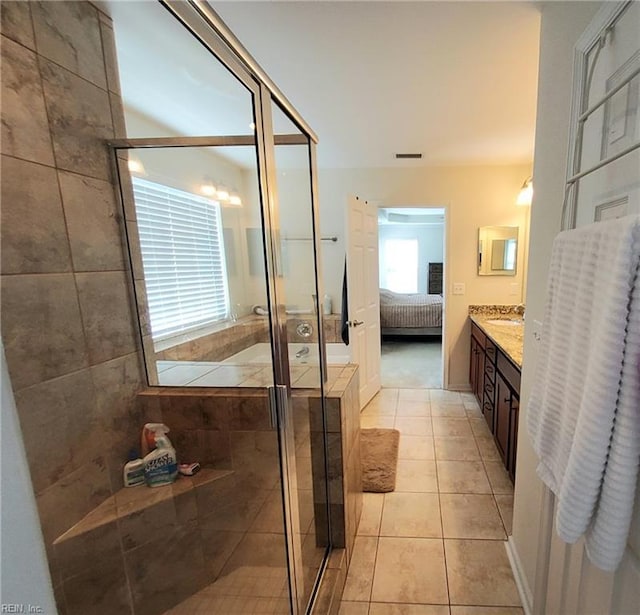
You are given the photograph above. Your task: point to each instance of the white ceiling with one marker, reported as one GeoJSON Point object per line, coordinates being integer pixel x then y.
{"type": "Point", "coordinates": [456, 81]}
{"type": "Point", "coordinates": [453, 80]}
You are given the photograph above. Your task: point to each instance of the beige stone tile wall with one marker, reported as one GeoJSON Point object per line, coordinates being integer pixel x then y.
{"type": "Point", "coordinates": [230, 429]}
{"type": "Point", "coordinates": [219, 345]}
{"type": "Point", "coordinates": [70, 336]}
{"type": "Point", "coordinates": [67, 322]}
{"type": "Point", "coordinates": [343, 443]}
{"type": "Point", "coordinates": [231, 339]}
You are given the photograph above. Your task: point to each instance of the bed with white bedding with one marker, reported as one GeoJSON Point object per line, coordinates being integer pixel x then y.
{"type": "Point", "coordinates": [410, 314]}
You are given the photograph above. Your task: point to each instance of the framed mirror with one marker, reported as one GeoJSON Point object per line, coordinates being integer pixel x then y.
{"type": "Point", "coordinates": [497, 250]}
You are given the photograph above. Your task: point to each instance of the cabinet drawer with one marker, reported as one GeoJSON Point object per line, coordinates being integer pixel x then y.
{"type": "Point", "coordinates": [491, 350]}
{"type": "Point", "coordinates": [510, 373]}
{"type": "Point", "coordinates": [490, 371]}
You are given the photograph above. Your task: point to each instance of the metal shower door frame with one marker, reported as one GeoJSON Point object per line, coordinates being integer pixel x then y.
{"type": "Point", "coordinates": [204, 24]}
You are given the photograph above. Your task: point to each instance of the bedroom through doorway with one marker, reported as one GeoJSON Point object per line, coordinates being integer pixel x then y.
{"type": "Point", "coordinates": [411, 270]}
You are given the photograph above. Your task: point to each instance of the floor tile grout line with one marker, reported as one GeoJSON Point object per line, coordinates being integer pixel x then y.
{"type": "Point", "coordinates": [493, 494]}
{"type": "Point", "coordinates": [375, 558]}
{"type": "Point", "coordinates": [482, 459]}
{"type": "Point", "coordinates": [444, 551]}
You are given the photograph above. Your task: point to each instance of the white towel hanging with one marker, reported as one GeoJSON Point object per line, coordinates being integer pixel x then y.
{"type": "Point", "coordinates": [584, 411]}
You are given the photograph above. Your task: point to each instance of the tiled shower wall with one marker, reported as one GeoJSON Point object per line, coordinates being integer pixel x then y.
{"type": "Point", "coordinates": [67, 321]}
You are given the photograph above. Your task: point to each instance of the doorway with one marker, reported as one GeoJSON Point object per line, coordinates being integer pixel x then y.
{"type": "Point", "coordinates": [411, 281]}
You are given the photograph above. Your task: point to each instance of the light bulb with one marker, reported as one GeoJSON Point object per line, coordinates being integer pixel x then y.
{"type": "Point", "coordinates": [208, 189]}
{"type": "Point", "coordinates": [235, 200]}
{"type": "Point", "coordinates": [222, 194]}
{"type": "Point", "coordinates": [525, 196]}
{"type": "Point", "coordinates": [135, 166]}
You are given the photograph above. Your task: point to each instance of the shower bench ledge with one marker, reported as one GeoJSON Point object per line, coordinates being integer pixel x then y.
{"type": "Point", "coordinates": [131, 501]}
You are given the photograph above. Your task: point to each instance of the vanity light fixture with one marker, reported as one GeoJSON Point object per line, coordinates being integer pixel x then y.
{"type": "Point", "coordinates": [208, 189]}
{"type": "Point", "coordinates": [222, 194]}
{"type": "Point", "coordinates": [525, 195]}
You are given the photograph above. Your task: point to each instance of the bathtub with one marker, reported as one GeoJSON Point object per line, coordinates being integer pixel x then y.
{"type": "Point", "coordinates": [337, 354]}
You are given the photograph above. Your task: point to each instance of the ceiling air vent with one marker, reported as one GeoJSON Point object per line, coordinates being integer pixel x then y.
{"type": "Point", "coordinates": [408, 156]}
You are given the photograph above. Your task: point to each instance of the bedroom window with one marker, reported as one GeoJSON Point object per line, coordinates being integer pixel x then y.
{"type": "Point", "coordinates": [399, 270]}
{"type": "Point", "coordinates": [183, 258]}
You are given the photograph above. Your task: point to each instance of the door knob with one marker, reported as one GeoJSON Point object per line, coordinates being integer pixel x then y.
{"type": "Point", "coordinates": [355, 323]}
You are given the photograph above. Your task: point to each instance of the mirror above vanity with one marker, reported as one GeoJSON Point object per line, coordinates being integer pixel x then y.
{"type": "Point", "coordinates": [497, 250]}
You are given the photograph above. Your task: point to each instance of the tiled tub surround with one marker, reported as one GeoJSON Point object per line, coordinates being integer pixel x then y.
{"type": "Point", "coordinates": [509, 339]}
{"type": "Point", "coordinates": [228, 339]}
{"type": "Point", "coordinates": [231, 338]}
{"type": "Point", "coordinates": [67, 324]}
{"type": "Point", "coordinates": [252, 368]}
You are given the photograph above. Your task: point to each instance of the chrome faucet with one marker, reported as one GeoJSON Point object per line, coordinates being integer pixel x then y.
{"type": "Point", "coordinates": [303, 352]}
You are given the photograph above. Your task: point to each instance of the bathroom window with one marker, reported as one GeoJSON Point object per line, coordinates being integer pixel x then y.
{"type": "Point", "coordinates": [182, 248]}
{"type": "Point", "coordinates": [399, 270]}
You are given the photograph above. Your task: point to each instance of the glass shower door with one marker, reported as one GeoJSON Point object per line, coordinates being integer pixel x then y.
{"type": "Point", "coordinates": [198, 264]}
{"type": "Point", "coordinates": [203, 223]}
{"type": "Point", "coordinates": [299, 309]}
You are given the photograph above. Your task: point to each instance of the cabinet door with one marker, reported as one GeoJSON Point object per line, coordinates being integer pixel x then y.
{"type": "Point", "coordinates": [488, 408]}
{"type": "Point", "coordinates": [513, 436]}
{"type": "Point", "coordinates": [502, 416]}
{"type": "Point", "coordinates": [480, 375]}
{"type": "Point", "coordinates": [473, 365]}
{"type": "Point", "coordinates": [477, 369]}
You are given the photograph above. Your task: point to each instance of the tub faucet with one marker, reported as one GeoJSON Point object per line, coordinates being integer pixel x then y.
{"type": "Point", "coordinates": [303, 352]}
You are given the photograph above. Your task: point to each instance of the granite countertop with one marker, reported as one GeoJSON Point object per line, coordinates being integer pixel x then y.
{"type": "Point", "coordinates": [509, 338]}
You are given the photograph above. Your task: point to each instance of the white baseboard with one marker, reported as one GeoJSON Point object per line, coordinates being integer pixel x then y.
{"type": "Point", "coordinates": [526, 596]}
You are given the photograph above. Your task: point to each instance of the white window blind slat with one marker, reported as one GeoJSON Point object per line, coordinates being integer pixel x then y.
{"type": "Point", "coordinates": [183, 258]}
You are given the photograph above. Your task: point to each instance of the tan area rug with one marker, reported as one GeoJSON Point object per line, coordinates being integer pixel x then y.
{"type": "Point", "coordinates": [379, 457]}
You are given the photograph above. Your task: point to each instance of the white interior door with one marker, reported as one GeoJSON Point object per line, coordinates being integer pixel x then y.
{"type": "Point", "coordinates": [364, 296]}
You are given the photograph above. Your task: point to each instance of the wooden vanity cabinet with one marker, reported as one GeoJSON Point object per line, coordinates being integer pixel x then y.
{"type": "Point", "coordinates": [495, 382]}
{"type": "Point", "coordinates": [510, 377]}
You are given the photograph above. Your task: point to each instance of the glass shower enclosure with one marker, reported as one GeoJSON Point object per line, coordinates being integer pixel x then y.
{"type": "Point", "coordinates": [217, 180]}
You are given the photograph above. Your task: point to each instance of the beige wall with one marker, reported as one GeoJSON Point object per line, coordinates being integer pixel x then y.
{"type": "Point", "coordinates": [475, 196]}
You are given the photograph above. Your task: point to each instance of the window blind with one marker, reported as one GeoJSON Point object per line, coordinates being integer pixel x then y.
{"type": "Point", "coordinates": [183, 258]}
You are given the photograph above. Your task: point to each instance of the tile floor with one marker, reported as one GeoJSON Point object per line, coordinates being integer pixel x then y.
{"type": "Point", "coordinates": [435, 546]}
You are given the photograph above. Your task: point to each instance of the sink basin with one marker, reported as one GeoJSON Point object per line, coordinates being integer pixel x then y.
{"type": "Point", "coordinates": [504, 322]}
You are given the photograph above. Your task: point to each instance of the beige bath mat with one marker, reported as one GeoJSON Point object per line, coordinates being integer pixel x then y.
{"type": "Point", "coordinates": [379, 455]}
